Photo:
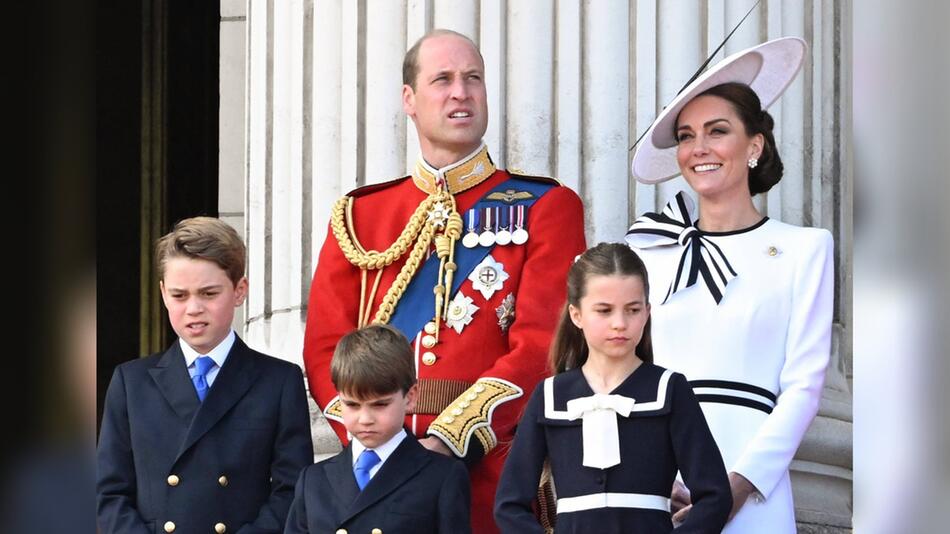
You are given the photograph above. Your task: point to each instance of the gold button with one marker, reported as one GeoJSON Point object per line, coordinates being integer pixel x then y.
{"type": "Point", "coordinates": [169, 526]}
{"type": "Point", "coordinates": [341, 531]}
{"type": "Point", "coordinates": [428, 358]}
{"type": "Point", "coordinates": [479, 388]}
{"type": "Point", "coordinates": [430, 327]}
{"type": "Point", "coordinates": [220, 528]}
{"type": "Point", "coordinates": [428, 341]}
{"type": "Point", "coordinates": [773, 251]}
{"type": "Point", "coordinates": [223, 480]}
{"type": "Point", "coordinates": [173, 480]}
{"type": "Point", "coordinates": [376, 531]}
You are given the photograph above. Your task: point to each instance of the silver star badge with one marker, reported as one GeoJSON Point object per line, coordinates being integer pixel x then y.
{"type": "Point", "coordinates": [488, 276]}
{"type": "Point", "coordinates": [460, 313]}
{"type": "Point", "coordinates": [438, 215]}
{"type": "Point", "coordinates": [506, 312]}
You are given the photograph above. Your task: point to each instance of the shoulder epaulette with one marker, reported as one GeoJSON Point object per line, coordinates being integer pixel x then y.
{"type": "Point", "coordinates": [372, 188]}
{"type": "Point", "coordinates": [543, 179]}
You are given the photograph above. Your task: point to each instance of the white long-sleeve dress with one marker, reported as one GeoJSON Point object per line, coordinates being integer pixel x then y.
{"type": "Point", "coordinates": [757, 359]}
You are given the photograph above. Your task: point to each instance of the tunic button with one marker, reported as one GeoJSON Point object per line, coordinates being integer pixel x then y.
{"type": "Point", "coordinates": [430, 327]}
{"type": "Point", "coordinates": [428, 341]}
{"type": "Point", "coordinates": [169, 526]}
{"type": "Point", "coordinates": [173, 480]}
{"type": "Point", "coordinates": [428, 358]}
{"type": "Point", "coordinates": [220, 528]}
{"type": "Point", "coordinates": [223, 481]}
{"type": "Point", "coordinates": [376, 531]}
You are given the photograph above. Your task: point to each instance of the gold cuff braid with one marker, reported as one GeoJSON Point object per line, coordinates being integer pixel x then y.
{"type": "Point", "coordinates": [470, 415]}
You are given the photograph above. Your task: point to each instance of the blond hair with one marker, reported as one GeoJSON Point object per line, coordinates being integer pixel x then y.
{"type": "Point", "coordinates": [203, 238]}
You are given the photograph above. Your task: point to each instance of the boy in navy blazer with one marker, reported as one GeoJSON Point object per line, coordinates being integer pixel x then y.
{"type": "Point", "coordinates": [210, 435]}
{"type": "Point", "coordinates": [384, 481]}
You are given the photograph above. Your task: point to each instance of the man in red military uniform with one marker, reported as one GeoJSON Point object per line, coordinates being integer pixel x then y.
{"type": "Point", "coordinates": [467, 260]}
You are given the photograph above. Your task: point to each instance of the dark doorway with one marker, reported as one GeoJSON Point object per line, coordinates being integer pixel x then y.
{"type": "Point", "coordinates": [156, 158]}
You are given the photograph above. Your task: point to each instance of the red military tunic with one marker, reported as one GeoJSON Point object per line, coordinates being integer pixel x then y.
{"type": "Point", "coordinates": [472, 383]}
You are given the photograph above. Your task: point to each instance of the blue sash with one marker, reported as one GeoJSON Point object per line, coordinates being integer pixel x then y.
{"type": "Point", "coordinates": [417, 305]}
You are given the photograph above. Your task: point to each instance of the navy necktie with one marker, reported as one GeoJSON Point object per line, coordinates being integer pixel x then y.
{"type": "Point", "coordinates": [203, 364]}
{"type": "Point", "coordinates": [367, 461]}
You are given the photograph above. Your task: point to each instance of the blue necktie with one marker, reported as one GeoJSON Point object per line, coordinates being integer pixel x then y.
{"type": "Point", "coordinates": [203, 364]}
{"type": "Point", "coordinates": [367, 460]}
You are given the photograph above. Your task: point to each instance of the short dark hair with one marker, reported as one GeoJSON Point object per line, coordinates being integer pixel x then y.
{"type": "Point", "coordinates": [203, 238]}
{"type": "Point", "coordinates": [756, 121]}
{"type": "Point", "coordinates": [372, 361]}
{"type": "Point", "coordinates": [410, 63]}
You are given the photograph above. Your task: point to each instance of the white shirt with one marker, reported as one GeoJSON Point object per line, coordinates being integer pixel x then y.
{"type": "Point", "coordinates": [219, 354]}
{"type": "Point", "coordinates": [384, 451]}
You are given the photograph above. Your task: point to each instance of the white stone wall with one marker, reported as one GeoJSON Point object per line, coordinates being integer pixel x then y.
{"type": "Point", "coordinates": [571, 84]}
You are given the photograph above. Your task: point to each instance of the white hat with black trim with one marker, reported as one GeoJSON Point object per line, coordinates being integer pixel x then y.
{"type": "Point", "coordinates": [767, 68]}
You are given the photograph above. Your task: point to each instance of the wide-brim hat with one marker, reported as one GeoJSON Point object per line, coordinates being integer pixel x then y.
{"type": "Point", "coordinates": [767, 68]}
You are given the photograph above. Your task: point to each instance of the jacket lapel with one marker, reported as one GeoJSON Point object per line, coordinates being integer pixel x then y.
{"type": "Point", "coordinates": [238, 374]}
{"type": "Point", "coordinates": [171, 377]}
{"type": "Point", "coordinates": [407, 460]}
{"type": "Point", "coordinates": [339, 473]}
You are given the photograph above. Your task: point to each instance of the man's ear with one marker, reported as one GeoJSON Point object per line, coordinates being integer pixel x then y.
{"type": "Point", "coordinates": [409, 101]}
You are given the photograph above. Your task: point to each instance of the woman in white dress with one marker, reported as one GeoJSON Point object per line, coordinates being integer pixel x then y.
{"type": "Point", "coordinates": [742, 303]}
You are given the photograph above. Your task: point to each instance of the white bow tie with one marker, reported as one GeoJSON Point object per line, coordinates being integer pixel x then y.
{"type": "Point", "coordinates": [599, 427]}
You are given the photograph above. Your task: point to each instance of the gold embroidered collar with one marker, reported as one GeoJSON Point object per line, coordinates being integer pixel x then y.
{"type": "Point", "coordinates": [461, 175]}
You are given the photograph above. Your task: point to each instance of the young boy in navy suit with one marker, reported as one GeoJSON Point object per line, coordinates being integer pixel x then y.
{"type": "Point", "coordinates": [384, 481]}
{"type": "Point", "coordinates": [210, 435]}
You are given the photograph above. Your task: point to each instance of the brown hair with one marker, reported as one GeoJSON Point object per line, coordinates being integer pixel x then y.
{"type": "Point", "coordinates": [374, 360]}
{"type": "Point", "coordinates": [203, 238]}
{"type": "Point", "coordinates": [569, 349]}
{"type": "Point", "coordinates": [756, 121]}
{"type": "Point", "coordinates": [410, 63]}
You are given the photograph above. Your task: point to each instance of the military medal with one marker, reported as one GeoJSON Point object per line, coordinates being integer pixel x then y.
{"type": "Point", "coordinates": [506, 312]}
{"type": "Point", "coordinates": [520, 235]}
{"type": "Point", "coordinates": [438, 215]}
{"type": "Point", "coordinates": [503, 237]}
{"type": "Point", "coordinates": [488, 276]}
{"type": "Point", "coordinates": [460, 313]}
{"type": "Point", "coordinates": [487, 237]}
{"type": "Point", "coordinates": [471, 237]}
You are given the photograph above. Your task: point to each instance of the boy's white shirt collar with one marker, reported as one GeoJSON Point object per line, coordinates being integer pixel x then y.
{"type": "Point", "coordinates": [383, 451]}
{"type": "Point", "coordinates": [219, 354]}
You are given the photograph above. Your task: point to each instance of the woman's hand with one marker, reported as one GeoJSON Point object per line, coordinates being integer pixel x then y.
{"type": "Point", "coordinates": [680, 502]}
{"type": "Point", "coordinates": [741, 490]}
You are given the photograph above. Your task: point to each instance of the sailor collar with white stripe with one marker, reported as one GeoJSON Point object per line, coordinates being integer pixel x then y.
{"type": "Point", "coordinates": [648, 385]}
{"type": "Point", "coordinates": [459, 176]}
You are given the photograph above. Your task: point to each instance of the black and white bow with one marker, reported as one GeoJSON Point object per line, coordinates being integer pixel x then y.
{"type": "Point", "coordinates": [701, 257]}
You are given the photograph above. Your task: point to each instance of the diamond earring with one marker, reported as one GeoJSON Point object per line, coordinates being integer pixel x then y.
{"type": "Point", "coordinates": [753, 163]}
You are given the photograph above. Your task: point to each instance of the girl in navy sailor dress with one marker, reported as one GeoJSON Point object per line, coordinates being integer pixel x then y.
{"type": "Point", "coordinates": [614, 428]}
